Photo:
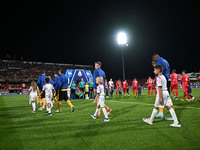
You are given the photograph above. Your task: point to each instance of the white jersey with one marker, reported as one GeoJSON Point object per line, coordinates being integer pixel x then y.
{"type": "Point", "coordinates": [33, 94]}
{"type": "Point", "coordinates": [110, 83]}
{"type": "Point", "coordinates": [100, 90]}
{"type": "Point", "coordinates": [166, 100]}
{"type": "Point", "coordinates": [48, 90]}
{"type": "Point", "coordinates": [161, 82]}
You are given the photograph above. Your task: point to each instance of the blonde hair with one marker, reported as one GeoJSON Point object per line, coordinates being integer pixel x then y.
{"type": "Point", "coordinates": [100, 79]}
{"type": "Point", "coordinates": [34, 85]}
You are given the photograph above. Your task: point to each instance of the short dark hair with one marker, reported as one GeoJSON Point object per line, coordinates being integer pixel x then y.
{"type": "Point", "coordinates": [155, 55]}
{"type": "Point", "coordinates": [61, 70]}
{"type": "Point", "coordinates": [184, 71]}
{"type": "Point", "coordinates": [98, 62]}
{"type": "Point", "coordinates": [159, 67]}
{"type": "Point", "coordinates": [47, 80]}
{"type": "Point", "coordinates": [174, 70]}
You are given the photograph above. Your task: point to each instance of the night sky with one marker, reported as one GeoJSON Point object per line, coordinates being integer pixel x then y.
{"type": "Point", "coordinates": [82, 32]}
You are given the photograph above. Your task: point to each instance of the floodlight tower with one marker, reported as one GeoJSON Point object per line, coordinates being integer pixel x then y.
{"type": "Point", "coordinates": [122, 40]}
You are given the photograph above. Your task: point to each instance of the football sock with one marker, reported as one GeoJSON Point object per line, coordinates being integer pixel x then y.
{"type": "Point", "coordinates": [154, 112]}
{"type": "Point", "coordinates": [69, 102]}
{"type": "Point", "coordinates": [136, 93]}
{"type": "Point", "coordinates": [176, 93]}
{"type": "Point", "coordinates": [151, 93]}
{"type": "Point", "coordinates": [99, 109]}
{"type": "Point", "coordinates": [96, 112]}
{"type": "Point", "coordinates": [133, 92]}
{"type": "Point", "coordinates": [160, 110]}
{"type": "Point", "coordinates": [188, 95]}
{"type": "Point", "coordinates": [148, 93]}
{"type": "Point", "coordinates": [172, 92]}
{"type": "Point", "coordinates": [105, 106]}
{"type": "Point", "coordinates": [58, 103]}
{"type": "Point", "coordinates": [51, 104]}
{"type": "Point", "coordinates": [173, 114]}
{"type": "Point", "coordinates": [184, 96]}
{"type": "Point", "coordinates": [105, 112]}
{"type": "Point", "coordinates": [49, 110]}
{"type": "Point", "coordinates": [33, 105]}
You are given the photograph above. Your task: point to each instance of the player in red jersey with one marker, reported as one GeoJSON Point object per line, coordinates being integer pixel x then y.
{"type": "Point", "coordinates": [125, 86]}
{"type": "Point", "coordinates": [184, 81]}
{"type": "Point", "coordinates": [118, 84]}
{"type": "Point", "coordinates": [174, 83]}
{"type": "Point", "coordinates": [150, 84]}
{"type": "Point", "coordinates": [154, 86]}
{"type": "Point", "coordinates": [135, 86]}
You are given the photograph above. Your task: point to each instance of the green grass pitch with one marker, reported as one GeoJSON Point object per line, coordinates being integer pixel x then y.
{"type": "Point", "coordinates": [20, 129]}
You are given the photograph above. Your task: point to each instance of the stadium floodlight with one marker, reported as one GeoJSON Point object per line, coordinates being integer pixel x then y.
{"type": "Point", "coordinates": [121, 38]}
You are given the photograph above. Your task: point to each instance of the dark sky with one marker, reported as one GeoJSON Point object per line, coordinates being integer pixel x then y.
{"type": "Point", "coordinates": [81, 32]}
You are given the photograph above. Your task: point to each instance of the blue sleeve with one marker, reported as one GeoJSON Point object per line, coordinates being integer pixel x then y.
{"type": "Point", "coordinates": [51, 82]}
{"type": "Point", "coordinates": [38, 82]}
{"type": "Point", "coordinates": [95, 76]}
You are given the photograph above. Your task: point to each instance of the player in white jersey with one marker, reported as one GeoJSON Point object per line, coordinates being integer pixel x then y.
{"type": "Point", "coordinates": [100, 100]}
{"type": "Point", "coordinates": [111, 87]}
{"type": "Point", "coordinates": [33, 94]}
{"type": "Point", "coordinates": [162, 98]}
{"type": "Point", "coordinates": [49, 89]}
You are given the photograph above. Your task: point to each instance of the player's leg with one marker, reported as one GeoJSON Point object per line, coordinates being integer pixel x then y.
{"type": "Point", "coordinates": [172, 89]}
{"type": "Point", "coordinates": [33, 106]}
{"type": "Point", "coordinates": [173, 114]}
{"type": "Point", "coordinates": [153, 114]}
{"type": "Point", "coordinates": [133, 90]}
{"type": "Point", "coordinates": [136, 89]}
{"type": "Point", "coordinates": [149, 91]}
{"type": "Point", "coordinates": [68, 101]}
{"type": "Point", "coordinates": [117, 91]}
{"type": "Point", "coordinates": [101, 103]}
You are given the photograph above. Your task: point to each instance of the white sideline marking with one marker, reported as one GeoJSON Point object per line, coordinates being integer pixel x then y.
{"type": "Point", "coordinates": [149, 104]}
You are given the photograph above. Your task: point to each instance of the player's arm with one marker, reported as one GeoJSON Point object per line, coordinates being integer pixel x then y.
{"type": "Point", "coordinates": [96, 98]}
{"type": "Point", "coordinates": [160, 94]}
{"type": "Point", "coordinates": [27, 94]}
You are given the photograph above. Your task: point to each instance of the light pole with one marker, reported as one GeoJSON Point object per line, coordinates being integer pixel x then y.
{"type": "Point", "coordinates": [122, 40]}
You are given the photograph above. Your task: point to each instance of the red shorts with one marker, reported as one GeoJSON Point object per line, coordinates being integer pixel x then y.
{"type": "Point", "coordinates": [135, 88]}
{"type": "Point", "coordinates": [185, 88]}
{"type": "Point", "coordinates": [174, 86]}
{"type": "Point", "coordinates": [149, 87]}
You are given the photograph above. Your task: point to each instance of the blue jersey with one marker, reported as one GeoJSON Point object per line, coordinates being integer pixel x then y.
{"type": "Point", "coordinates": [51, 82]}
{"type": "Point", "coordinates": [63, 82]}
{"type": "Point", "coordinates": [166, 68]}
{"type": "Point", "coordinates": [41, 81]}
{"type": "Point", "coordinates": [99, 73]}
{"type": "Point", "coordinates": [56, 83]}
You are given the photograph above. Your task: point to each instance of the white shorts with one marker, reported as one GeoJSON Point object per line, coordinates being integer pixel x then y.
{"type": "Point", "coordinates": [33, 96]}
{"type": "Point", "coordinates": [101, 101]}
{"type": "Point", "coordinates": [166, 100]}
{"type": "Point", "coordinates": [48, 99]}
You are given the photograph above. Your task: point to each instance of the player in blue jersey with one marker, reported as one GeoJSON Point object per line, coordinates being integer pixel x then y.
{"type": "Point", "coordinates": [63, 91]}
{"type": "Point", "coordinates": [40, 83]}
{"type": "Point", "coordinates": [157, 60]}
{"type": "Point", "coordinates": [98, 72]}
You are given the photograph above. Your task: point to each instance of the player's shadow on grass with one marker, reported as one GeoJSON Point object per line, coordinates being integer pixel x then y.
{"type": "Point", "coordinates": [120, 112]}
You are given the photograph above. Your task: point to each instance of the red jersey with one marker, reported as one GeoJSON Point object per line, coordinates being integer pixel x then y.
{"type": "Point", "coordinates": [135, 83]}
{"type": "Point", "coordinates": [125, 84]}
{"type": "Point", "coordinates": [150, 82]}
{"type": "Point", "coordinates": [106, 84]}
{"type": "Point", "coordinates": [174, 78]}
{"type": "Point", "coordinates": [185, 80]}
{"type": "Point", "coordinates": [119, 83]}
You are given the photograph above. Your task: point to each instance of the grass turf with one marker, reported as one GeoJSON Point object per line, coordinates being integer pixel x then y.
{"type": "Point", "coordinates": [20, 129]}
